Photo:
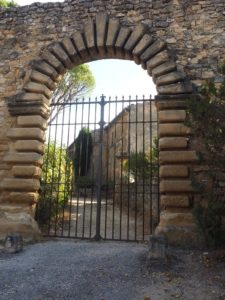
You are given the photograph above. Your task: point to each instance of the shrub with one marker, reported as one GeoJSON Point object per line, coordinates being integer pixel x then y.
{"type": "Point", "coordinates": [55, 184]}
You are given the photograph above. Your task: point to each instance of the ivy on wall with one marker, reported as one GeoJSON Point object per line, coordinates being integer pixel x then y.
{"type": "Point", "coordinates": [207, 119]}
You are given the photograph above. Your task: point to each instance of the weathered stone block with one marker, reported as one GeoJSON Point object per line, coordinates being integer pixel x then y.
{"type": "Point", "coordinates": [26, 171]}
{"type": "Point", "coordinates": [173, 171]}
{"type": "Point", "coordinates": [187, 156]}
{"type": "Point", "coordinates": [42, 79]}
{"type": "Point", "coordinates": [176, 88]}
{"type": "Point", "coordinates": [53, 61]}
{"type": "Point", "coordinates": [169, 78]}
{"type": "Point", "coordinates": [122, 37]}
{"type": "Point", "coordinates": [39, 98]}
{"type": "Point", "coordinates": [19, 157]}
{"type": "Point", "coordinates": [156, 60]}
{"type": "Point", "coordinates": [89, 32]}
{"type": "Point", "coordinates": [173, 129]}
{"type": "Point", "coordinates": [171, 104]}
{"type": "Point", "coordinates": [135, 36]}
{"type": "Point", "coordinates": [178, 220]}
{"type": "Point", "coordinates": [61, 55]}
{"type": "Point", "coordinates": [38, 88]}
{"type": "Point", "coordinates": [145, 42]}
{"type": "Point", "coordinates": [171, 186]}
{"type": "Point", "coordinates": [113, 29]}
{"type": "Point", "coordinates": [26, 133]}
{"type": "Point", "coordinates": [29, 145]}
{"type": "Point", "coordinates": [164, 68]}
{"type": "Point", "coordinates": [31, 121]}
{"type": "Point", "coordinates": [153, 49]}
{"type": "Point", "coordinates": [21, 222]}
{"type": "Point", "coordinates": [171, 116]}
{"type": "Point", "coordinates": [23, 197]}
{"type": "Point", "coordinates": [46, 69]}
{"type": "Point", "coordinates": [101, 29]}
{"type": "Point", "coordinates": [20, 184]}
{"type": "Point", "coordinates": [80, 45]}
{"type": "Point", "coordinates": [174, 201]}
{"type": "Point", "coordinates": [70, 49]}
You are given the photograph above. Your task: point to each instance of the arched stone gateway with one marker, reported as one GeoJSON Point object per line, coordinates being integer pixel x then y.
{"type": "Point", "coordinates": [101, 36]}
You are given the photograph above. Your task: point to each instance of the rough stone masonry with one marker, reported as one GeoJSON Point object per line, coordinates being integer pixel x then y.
{"type": "Point", "coordinates": [180, 43]}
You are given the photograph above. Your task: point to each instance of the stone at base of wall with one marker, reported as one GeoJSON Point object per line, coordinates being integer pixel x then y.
{"type": "Point", "coordinates": [179, 229]}
{"type": "Point", "coordinates": [19, 223]}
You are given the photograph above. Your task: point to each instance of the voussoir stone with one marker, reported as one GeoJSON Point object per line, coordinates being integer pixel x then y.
{"type": "Point", "coordinates": [43, 79]}
{"type": "Point", "coordinates": [164, 68]}
{"type": "Point", "coordinates": [101, 29]}
{"type": "Point", "coordinates": [58, 50]}
{"type": "Point", "coordinates": [70, 49]}
{"type": "Point", "coordinates": [47, 69]}
{"type": "Point", "coordinates": [53, 61]}
{"type": "Point", "coordinates": [80, 45]}
{"type": "Point", "coordinates": [122, 37]}
{"type": "Point", "coordinates": [175, 88]}
{"type": "Point", "coordinates": [169, 78]}
{"type": "Point", "coordinates": [153, 49]}
{"type": "Point", "coordinates": [34, 87]}
{"type": "Point", "coordinates": [135, 37]}
{"type": "Point", "coordinates": [157, 59]}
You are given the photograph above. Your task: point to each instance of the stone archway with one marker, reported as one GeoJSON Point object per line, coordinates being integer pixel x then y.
{"type": "Point", "coordinates": [101, 37]}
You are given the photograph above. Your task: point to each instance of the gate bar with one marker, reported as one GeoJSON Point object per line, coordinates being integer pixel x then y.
{"type": "Point", "coordinates": [99, 174]}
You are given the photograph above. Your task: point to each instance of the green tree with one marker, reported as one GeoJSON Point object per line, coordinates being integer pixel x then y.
{"type": "Point", "coordinates": [56, 184]}
{"type": "Point", "coordinates": [142, 165]}
{"type": "Point", "coordinates": [76, 83]}
{"type": "Point", "coordinates": [208, 123]}
{"type": "Point", "coordinates": [6, 3]}
{"type": "Point", "coordinates": [82, 153]}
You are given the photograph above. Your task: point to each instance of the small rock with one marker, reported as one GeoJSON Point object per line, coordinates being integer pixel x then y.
{"type": "Point", "coordinates": [13, 243]}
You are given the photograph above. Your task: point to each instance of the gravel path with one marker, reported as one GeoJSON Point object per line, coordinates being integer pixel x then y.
{"type": "Point", "coordinates": [86, 270]}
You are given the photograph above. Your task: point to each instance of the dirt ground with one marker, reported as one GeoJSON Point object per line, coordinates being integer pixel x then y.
{"type": "Point", "coordinates": [106, 270]}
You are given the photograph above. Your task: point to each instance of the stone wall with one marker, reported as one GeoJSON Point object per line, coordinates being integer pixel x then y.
{"type": "Point", "coordinates": [179, 42]}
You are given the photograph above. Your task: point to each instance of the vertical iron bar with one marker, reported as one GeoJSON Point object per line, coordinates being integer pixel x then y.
{"type": "Point", "coordinates": [151, 185]}
{"type": "Point", "coordinates": [53, 173]}
{"type": "Point", "coordinates": [107, 184]}
{"type": "Point", "coordinates": [121, 171]}
{"type": "Point", "coordinates": [136, 175]}
{"type": "Point", "coordinates": [68, 173]}
{"type": "Point", "coordinates": [93, 169]}
{"type": "Point", "coordinates": [128, 175]}
{"type": "Point", "coordinates": [144, 171]}
{"type": "Point", "coordinates": [59, 183]}
{"type": "Point", "coordinates": [99, 173]}
{"type": "Point", "coordinates": [114, 172]}
{"type": "Point", "coordinates": [77, 190]}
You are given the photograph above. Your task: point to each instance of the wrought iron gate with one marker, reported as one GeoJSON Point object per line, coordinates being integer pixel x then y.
{"type": "Point", "coordinates": [100, 171]}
